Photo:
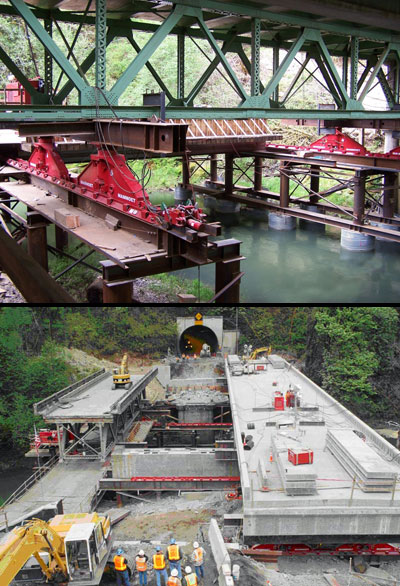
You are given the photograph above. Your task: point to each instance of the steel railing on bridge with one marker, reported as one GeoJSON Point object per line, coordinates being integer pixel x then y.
{"type": "Point", "coordinates": [35, 477]}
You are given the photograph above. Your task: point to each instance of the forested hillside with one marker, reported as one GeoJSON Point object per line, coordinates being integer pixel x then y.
{"type": "Point", "coordinates": [352, 352]}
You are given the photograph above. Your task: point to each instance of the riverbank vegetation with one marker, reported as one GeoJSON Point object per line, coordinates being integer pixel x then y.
{"type": "Point", "coordinates": [352, 352]}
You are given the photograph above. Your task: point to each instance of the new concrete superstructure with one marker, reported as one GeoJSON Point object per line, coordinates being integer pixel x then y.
{"type": "Point", "coordinates": [337, 497]}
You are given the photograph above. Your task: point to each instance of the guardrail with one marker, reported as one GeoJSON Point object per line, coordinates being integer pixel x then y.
{"type": "Point", "coordinates": [42, 405]}
{"type": "Point", "coordinates": [25, 486]}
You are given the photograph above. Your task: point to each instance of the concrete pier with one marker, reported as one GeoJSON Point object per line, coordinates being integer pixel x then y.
{"type": "Point", "coordinates": [356, 241]}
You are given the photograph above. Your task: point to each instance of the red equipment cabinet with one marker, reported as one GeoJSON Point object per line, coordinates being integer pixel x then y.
{"type": "Point", "coordinates": [17, 94]}
{"type": "Point", "coordinates": [300, 456]}
{"type": "Point", "coordinates": [279, 401]}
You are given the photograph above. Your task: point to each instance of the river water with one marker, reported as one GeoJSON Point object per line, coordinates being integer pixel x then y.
{"type": "Point", "coordinates": [306, 265]}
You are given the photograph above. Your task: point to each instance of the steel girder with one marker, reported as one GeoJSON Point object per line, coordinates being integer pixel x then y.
{"type": "Point", "coordinates": [258, 28]}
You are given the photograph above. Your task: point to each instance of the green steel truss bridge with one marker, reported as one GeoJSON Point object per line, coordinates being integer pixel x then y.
{"type": "Point", "coordinates": [351, 46]}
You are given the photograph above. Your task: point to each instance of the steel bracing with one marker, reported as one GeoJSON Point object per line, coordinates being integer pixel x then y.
{"type": "Point", "coordinates": [348, 51]}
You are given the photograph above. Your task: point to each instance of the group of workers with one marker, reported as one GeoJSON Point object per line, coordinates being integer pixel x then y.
{"type": "Point", "coordinates": [174, 557]}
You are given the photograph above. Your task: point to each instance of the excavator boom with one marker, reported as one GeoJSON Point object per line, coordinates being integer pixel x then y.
{"type": "Point", "coordinates": [23, 542]}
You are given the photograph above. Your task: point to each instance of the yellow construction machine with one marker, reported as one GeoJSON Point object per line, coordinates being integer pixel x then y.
{"type": "Point", "coordinates": [259, 352]}
{"type": "Point", "coordinates": [68, 548]}
{"type": "Point", "coordinates": [121, 376]}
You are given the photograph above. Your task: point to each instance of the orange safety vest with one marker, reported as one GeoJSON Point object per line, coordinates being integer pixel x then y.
{"type": "Point", "coordinates": [173, 553]}
{"type": "Point", "coordinates": [158, 561]}
{"type": "Point", "coordinates": [141, 564]}
{"type": "Point", "coordinates": [191, 580]}
{"type": "Point", "coordinates": [173, 581]}
{"type": "Point", "coordinates": [198, 555]}
{"type": "Point", "coordinates": [120, 563]}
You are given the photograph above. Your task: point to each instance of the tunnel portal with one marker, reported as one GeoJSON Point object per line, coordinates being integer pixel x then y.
{"type": "Point", "coordinates": [193, 338]}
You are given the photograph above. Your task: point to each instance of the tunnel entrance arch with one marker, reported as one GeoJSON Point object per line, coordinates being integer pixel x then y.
{"type": "Point", "coordinates": [192, 339]}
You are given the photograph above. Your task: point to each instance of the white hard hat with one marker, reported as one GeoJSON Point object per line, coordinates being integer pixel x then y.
{"type": "Point", "coordinates": [195, 544]}
{"type": "Point", "coordinates": [141, 552]}
{"type": "Point", "coordinates": [188, 570]}
{"type": "Point", "coordinates": [174, 572]}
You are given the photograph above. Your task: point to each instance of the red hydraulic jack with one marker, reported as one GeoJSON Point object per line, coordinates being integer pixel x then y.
{"type": "Point", "coordinates": [108, 180]}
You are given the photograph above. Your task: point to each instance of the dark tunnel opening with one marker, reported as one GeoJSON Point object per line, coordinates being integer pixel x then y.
{"type": "Point", "coordinates": [192, 339]}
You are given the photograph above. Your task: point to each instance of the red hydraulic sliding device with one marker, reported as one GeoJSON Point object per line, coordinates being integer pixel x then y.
{"type": "Point", "coordinates": [384, 549]}
{"type": "Point", "coordinates": [338, 143]}
{"type": "Point", "coordinates": [108, 180]}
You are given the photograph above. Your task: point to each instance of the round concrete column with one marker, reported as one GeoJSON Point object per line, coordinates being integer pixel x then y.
{"type": "Point", "coordinates": [308, 224]}
{"type": "Point", "coordinates": [224, 206]}
{"type": "Point", "coordinates": [278, 221]}
{"type": "Point", "coordinates": [182, 194]}
{"type": "Point", "coordinates": [356, 241]}
{"type": "Point", "coordinates": [387, 227]}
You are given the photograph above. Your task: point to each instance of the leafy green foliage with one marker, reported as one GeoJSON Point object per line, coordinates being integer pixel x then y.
{"type": "Point", "coordinates": [357, 343]}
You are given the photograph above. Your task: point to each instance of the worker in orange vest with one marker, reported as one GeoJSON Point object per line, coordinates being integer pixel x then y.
{"type": "Point", "coordinates": [141, 567]}
{"type": "Point", "coordinates": [190, 579]}
{"type": "Point", "coordinates": [121, 568]}
{"type": "Point", "coordinates": [173, 580]}
{"type": "Point", "coordinates": [159, 566]}
{"type": "Point", "coordinates": [198, 559]}
{"type": "Point", "coordinates": [174, 557]}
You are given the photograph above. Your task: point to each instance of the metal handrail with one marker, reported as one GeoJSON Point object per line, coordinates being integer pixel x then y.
{"type": "Point", "coordinates": [25, 486]}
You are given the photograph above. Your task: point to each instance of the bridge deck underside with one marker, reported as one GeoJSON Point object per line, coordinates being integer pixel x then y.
{"type": "Point", "coordinates": [338, 508]}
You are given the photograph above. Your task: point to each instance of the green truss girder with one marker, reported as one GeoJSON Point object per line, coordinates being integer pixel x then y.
{"type": "Point", "coordinates": [48, 43]}
{"type": "Point", "coordinates": [73, 113]}
{"type": "Point", "coordinates": [101, 27]}
{"type": "Point", "coordinates": [311, 38]}
{"type": "Point", "coordinates": [238, 86]}
{"type": "Point", "coordinates": [209, 71]}
{"type": "Point", "coordinates": [150, 68]}
{"type": "Point", "coordinates": [145, 54]}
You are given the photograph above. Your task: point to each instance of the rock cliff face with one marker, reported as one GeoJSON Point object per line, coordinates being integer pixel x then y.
{"type": "Point", "coordinates": [314, 354]}
{"type": "Point", "coordinates": [386, 383]}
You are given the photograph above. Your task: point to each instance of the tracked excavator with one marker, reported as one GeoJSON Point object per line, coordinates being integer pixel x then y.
{"type": "Point", "coordinates": [70, 548]}
{"type": "Point", "coordinates": [259, 352]}
{"type": "Point", "coordinates": [121, 376]}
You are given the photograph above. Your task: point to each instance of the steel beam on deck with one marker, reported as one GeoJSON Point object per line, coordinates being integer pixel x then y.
{"type": "Point", "coordinates": [156, 137]}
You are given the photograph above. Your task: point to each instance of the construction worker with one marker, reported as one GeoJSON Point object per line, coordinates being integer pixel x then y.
{"type": "Point", "coordinates": [173, 580]}
{"type": "Point", "coordinates": [190, 579]}
{"type": "Point", "coordinates": [198, 559]}
{"type": "Point", "coordinates": [141, 567]}
{"type": "Point", "coordinates": [174, 557]}
{"type": "Point", "coordinates": [159, 566]}
{"type": "Point", "coordinates": [121, 568]}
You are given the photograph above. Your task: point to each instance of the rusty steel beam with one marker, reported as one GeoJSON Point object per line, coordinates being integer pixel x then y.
{"type": "Point", "coordinates": [337, 161]}
{"type": "Point", "coordinates": [224, 253]}
{"type": "Point", "coordinates": [28, 276]}
{"type": "Point", "coordinates": [256, 202]}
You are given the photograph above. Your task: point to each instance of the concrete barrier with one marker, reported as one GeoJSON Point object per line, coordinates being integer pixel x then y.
{"type": "Point", "coordinates": [221, 555]}
{"type": "Point", "coordinates": [243, 467]}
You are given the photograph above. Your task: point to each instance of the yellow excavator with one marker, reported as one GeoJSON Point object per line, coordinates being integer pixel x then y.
{"type": "Point", "coordinates": [68, 548]}
{"type": "Point", "coordinates": [259, 352]}
{"type": "Point", "coordinates": [121, 376]}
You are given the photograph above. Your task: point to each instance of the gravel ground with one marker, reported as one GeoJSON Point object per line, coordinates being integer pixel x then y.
{"type": "Point", "coordinates": [8, 291]}
{"type": "Point", "coordinates": [143, 294]}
